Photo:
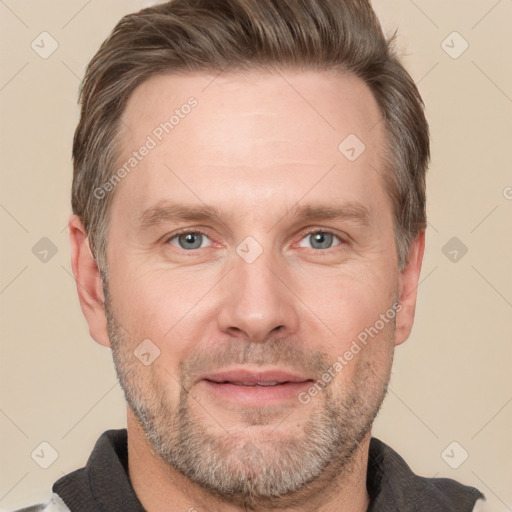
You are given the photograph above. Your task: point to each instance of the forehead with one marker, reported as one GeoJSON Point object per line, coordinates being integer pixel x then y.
{"type": "Point", "coordinates": [262, 134]}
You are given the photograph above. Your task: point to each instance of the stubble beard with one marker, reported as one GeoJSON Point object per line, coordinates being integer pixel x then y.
{"type": "Point", "coordinates": [235, 466]}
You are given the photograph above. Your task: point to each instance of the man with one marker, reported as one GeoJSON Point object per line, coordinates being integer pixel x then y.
{"type": "Point", "coordinates": [247, 237]}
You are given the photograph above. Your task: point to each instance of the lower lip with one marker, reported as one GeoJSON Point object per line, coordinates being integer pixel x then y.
{"type": "Point", "coordinates": [258, 395]}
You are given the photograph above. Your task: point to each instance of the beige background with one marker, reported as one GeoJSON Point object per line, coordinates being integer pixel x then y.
{"type": "Point", "coordinates": [451, 380]}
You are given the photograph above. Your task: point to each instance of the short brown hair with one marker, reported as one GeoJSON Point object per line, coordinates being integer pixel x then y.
{"type": "Point", "coordinates": [218, 35]}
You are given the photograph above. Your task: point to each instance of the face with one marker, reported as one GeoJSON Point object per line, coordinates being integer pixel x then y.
{"type": "Point", "coordinates": [253, 254]}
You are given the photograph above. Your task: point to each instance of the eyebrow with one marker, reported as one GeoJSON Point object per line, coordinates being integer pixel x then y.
{"type": "Point", "coordinates": [350, 211]}
{"type": "Point", "coordinates": [172, 212]}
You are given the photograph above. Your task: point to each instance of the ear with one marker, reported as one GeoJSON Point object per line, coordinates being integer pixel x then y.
{"type": "Point", "coordinates": [408, 286]}
{"type": "Point", "coordinates": [88, 282]}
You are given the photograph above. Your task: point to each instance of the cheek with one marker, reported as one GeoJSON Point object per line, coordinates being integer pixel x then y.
{"type": "Point", "coordinates": [157, 308]}
{"type": "Point", "coordinates": [350, 303]}
{"type": "Point", "coordinates": [348, 300]}
{"type": "Point", "coordinates": [149, 299]}
{"type": "Point", "coordinates": [166, 307]}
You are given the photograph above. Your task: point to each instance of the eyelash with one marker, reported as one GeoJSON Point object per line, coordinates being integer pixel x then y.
{"type": "Point", "coordinates": [329, 231]}
{"type": "Point", "coordinates": [186, 231]}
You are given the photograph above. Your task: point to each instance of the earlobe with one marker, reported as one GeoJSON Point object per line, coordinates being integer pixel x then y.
{"type": "Point", "coordinates": [88, 282]}
{"type": "Point", "coordinates": [409, 279]}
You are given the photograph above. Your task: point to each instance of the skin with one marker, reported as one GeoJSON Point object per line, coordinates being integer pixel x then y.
{"type": "Point", "coordinates": [253, 148]}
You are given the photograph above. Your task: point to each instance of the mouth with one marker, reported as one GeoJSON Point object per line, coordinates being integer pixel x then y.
{"type": "Point", "coordinates": [256, 388]}
{"type": "Point", "coordinates": [251, 384]}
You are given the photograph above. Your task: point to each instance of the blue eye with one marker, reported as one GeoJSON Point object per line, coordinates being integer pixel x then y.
{"type": "Point", "coordinates": [189, 240]}
{"type": "Point", "coordinates": [320, 239]}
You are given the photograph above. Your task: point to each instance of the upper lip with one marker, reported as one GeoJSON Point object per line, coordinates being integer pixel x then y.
{"type": "Point", "coordinates": [245, 376]}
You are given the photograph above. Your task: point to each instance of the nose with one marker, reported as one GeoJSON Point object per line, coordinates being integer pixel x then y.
{"type": "Point", "coordinates": [256, 300]}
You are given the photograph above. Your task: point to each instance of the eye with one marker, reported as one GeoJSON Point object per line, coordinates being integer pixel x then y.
{"type": "Point", "coordinates": [188, 240]}
{"type": "Point", "coordinates": [320, 240]}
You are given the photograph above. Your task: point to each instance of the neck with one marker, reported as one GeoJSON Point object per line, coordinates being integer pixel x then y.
{"type": "Point", "coordinates": [160, 487]}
